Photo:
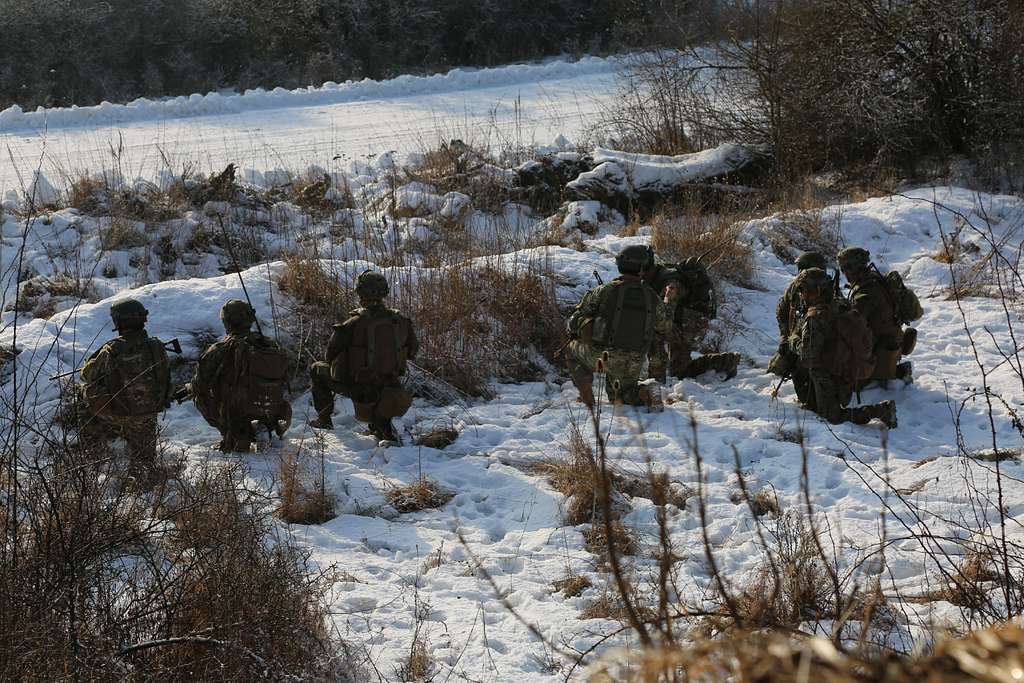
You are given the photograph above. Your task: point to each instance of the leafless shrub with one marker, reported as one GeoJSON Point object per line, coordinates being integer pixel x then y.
{"type": "Point", "coordinates": [422, 494]}
{"type": "Point", "coordinates": [184, 581]}
{"type": "Point", "coordinates": [597, 539]}
{"type": "Point", "coordinates": [117, 232]}
{"type": "Point", "coordinates": [793, 585]}
{"type": "Point", "coordinates": [719, 236]}
{"type": "Point", "coordinates": [476, 324]}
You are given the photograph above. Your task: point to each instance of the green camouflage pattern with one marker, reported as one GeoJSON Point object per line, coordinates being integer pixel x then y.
{"type": "Point", "coordinates": [625, 367]}
{"type": "Point", "coordinates": [212, 391]}
{"type": "Point", "coordinates": [826, 393]}
{"type": "Point", "coordinates": [869, 294]}
{"type": "Point", "coordinates": [365, 397]}
{"type": "Point", "coordinates": [102, 365]}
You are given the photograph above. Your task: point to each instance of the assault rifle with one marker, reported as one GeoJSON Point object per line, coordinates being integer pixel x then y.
{"type": "Point", "coordinates": [174, 346]}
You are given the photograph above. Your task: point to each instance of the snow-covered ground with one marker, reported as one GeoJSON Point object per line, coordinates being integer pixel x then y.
{"type": "Point", "coordinates": [519, 104]}
{"type": "Point", "coordinates": [511, 518]}
{"type": "Point", "coordinates": [400, 568]}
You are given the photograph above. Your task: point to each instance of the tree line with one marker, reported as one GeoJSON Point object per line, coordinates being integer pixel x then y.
{"type": "Point", "coordinates": [63, 52]}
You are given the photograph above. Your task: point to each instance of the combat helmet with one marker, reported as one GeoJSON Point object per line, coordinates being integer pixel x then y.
{"type": "Point", "coordinates": [371, 285]}
{"type": "Point", "coordinates": [635, 259]}
{"type": "Point", "coordinates": [237, 314]}
{"type": "Point", "coordinates": [129, 314]}
{"type": "Point", "coordinates": [815, 279]}
{"type": "Point", "coordinates": [854, 259]}
{"type": "Point", "coordinates": [810, 259]}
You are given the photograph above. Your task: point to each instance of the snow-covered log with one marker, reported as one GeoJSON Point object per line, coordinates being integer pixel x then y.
{"type": "Point", "coordinates": [628, 181]}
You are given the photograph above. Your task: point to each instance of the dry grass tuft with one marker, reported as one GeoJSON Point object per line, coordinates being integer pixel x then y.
{"type": "Point", "coordinates": [597, 542]}
{"type": "Point", "coordinates": [976, 575]}
{"type": "Point", "coordinates": [992, 655]}
{"type": "Point", "coordinates": [798, 588]}
{"type": "Point", "coordinates": [439, 437]}
{"type": "Point", "coordinates": [762, 503]}
{"type": "Point", "coordinates": [719, 236]}
{"type": "Point", "coordinates": [419, 666]}
{"type": "Point", "coordinates": [303, 502]}
{"type": "Point", "coordinates": [572, 584]}
{"type": "Point", "coordinates": [422, 494]}
{"type": "Point", "coordinates": [477, 324]}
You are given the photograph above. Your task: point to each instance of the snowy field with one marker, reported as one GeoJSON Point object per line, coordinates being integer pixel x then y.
{"type": "Point", "coordinates": [336, 123]}
{"type": "Point", "coordinates": [405, 568]}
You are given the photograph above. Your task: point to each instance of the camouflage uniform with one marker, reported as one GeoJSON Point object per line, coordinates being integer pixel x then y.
{"type": "Point", "coordinates": [213, 386]}
{"type": "Point", "coordinates": [114, 414]}
{"type": "Point", "coordinates": [672, 351]}
{"type": "Point", "coordinates": [869, 294]}
{"type": "Point", "coordinates": [787, 312]}
{"type": "Point", "coordinates": [376, 398]}
{"type": "Point", "coordinates": [622, 368]}
{"type": "Point", "coordinates": [813, 341]}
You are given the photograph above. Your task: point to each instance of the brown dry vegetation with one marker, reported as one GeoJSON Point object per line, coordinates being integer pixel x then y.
{"type": "Point", "coordinates": [994, 655]}
{"type": "Point", "coordinates": [716, 237]}
{"type": "Point", "coordinates": [422, 494]}
{"type": "Point", "coordinates": [304, 497]}
{"type": "Point", "coordinates": [177, 584]}
{"type": "Point", "coordinates": [571, 585]}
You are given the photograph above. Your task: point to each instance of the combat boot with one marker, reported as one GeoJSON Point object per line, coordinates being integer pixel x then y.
{"type": "Point", "coordinates": [384, 430]}
{"type": "Point", "coordinates": [323, 420]}
{"type": "Point", "coordinates": [887, 413]}
{"type": "Point", "coordinates": [649, 394]}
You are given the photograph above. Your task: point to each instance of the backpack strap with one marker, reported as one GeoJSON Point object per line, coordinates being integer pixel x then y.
{"type": "Point", "coordinates": [649, 304]}
{"type": "Point", "coordinates": [617, 315]}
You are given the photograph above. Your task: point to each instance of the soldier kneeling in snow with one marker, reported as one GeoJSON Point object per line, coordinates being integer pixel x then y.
{"type": "Point", "coordinates": [240, 382]}
{"type": "Point", "coordinates": [613, 329]}
{"type": "Point", "coordinates": [126, 384]}
{"type": "Point", "coordinates": [833, 343]}
{"type": "Point", "coordinates": [367, 356]}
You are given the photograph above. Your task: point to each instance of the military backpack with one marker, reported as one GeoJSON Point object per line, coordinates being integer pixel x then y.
{"type": "Point", "coordinates": [379, 350]}
{"type": "Point", "coordinates": [625, 318]}
{"type": "Point", "coordinates": [854, 357]}
{"type": "Point", "coordinates": [698, 289]}
{"type": "Point", "coordinates": [905, 304]}
{"type": "Point", "coordinates": [139, 380]}
{"type": "Point", "coordinates": [261, 377]}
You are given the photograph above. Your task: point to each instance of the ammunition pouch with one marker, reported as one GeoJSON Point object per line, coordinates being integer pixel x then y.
{"type": "Point", "coordinates": [909, 342]}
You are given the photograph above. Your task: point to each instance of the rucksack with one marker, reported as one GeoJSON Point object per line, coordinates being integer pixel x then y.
{"type": "Point", "coordinates": [905, 304]}
{"type": "Point", "coordinates": [699, 290]}
{"type": "Point", "coordinates": [261, 377]}
{"type": "Point", "coordinates": [625, 319]}
{"type": "Point", "coordinates": [379, 351]}
{"type": "Point", "coordinates": [854, 357]}
{"type": "Point", "coordinates": [139, 381]}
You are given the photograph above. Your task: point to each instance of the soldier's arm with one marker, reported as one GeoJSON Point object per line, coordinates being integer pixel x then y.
{"type": "Point", "coordinates": [587, 308]}
{"type": "Point", "coordinates": [782, 315]}
{"type": "Point", "coordinates": [97, 366]}
{"type": "Point", "coordinates": [209, 363]}
{"type": "Point", "coordinates": [339, 341]}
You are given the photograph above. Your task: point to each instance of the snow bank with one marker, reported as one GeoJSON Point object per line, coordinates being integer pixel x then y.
{"type": "Point", "coordinates": [142, 109]}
